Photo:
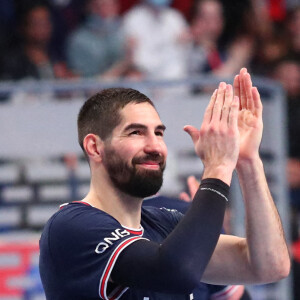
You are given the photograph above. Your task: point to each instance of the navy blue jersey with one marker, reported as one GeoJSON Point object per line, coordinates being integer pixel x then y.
{"type": "Point", "coordinates": [80, 245]}
{"type": "Point", "coordinates": [168, 202]}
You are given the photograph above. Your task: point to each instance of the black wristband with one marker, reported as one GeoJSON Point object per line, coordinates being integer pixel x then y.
{"type": "Point", "coordinates": [216, 186]}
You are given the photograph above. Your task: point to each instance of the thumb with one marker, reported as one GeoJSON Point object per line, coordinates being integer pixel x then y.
{"type": "Point", "coordinates": [192, 131]}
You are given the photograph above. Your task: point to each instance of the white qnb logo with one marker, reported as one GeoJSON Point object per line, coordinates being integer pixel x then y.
{"type": "Point", "coordinates": [108, 241]}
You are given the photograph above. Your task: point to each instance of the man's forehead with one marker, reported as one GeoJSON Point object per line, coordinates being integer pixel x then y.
{"type": "Point", "coordinates": [139, 113]}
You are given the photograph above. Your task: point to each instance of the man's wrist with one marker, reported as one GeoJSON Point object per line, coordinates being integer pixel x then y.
{"type": "Point", "coordinates": [221, 172]}
{"type": "Point", "coordinates": [249, 163]}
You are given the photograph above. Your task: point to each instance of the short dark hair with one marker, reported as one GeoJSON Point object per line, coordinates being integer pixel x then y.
{"type": "Point", "coordinates": [100, 114]}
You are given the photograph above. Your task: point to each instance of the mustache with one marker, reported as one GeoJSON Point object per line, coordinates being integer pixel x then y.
{"type": "Point", "coordinates": [158, 158]}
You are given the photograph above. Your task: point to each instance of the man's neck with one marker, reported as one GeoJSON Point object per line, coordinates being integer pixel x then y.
{"type": "Point", "coordinates": [124, 208]}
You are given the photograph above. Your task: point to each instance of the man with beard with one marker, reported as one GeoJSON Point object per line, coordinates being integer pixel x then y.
{"type": "Point", "coordinates": [108, 247]}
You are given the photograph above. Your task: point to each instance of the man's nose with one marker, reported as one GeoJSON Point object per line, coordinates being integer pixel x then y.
{"type": "Point", "coordinates": [153, 144]}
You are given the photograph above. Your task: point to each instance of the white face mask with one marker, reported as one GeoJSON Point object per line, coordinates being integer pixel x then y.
{"type": "Point", "coordinates": [159, 3]}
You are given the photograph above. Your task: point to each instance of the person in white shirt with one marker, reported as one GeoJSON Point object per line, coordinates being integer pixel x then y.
{"type": "Point", "coordinates": [154, 31]}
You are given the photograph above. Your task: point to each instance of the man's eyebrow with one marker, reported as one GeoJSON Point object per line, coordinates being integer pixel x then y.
{"type": "Point", "coordinates": [161, 127]}
{"type": "Point", "coordinates": [142, 126]}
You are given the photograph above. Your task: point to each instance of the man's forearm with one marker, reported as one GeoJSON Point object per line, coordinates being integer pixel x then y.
{"type": "Point", "coordinates": [267, 249]}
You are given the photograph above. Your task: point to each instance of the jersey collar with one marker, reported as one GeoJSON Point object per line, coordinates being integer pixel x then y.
{"type": "Point", "coordinates": [134, 231]}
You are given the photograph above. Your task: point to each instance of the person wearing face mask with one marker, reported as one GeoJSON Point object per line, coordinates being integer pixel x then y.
{"type": "Point", "coordinates": [154, 31]}
{"type": "Point", "coordinates": [97, 46]}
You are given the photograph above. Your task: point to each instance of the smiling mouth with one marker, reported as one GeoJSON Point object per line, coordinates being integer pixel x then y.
{"type": "Point", "coordinates": [150, 165]}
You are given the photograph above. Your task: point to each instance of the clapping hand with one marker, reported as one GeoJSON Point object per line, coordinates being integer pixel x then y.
{"type": "Point", "coordinates": [217, 141]}
{"type": "Point", "coordinates": [250, 123]}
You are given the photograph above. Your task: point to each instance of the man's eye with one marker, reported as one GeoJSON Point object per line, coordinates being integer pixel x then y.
{"type": "Point", "coordinates": [135, 132]}
{"type": "Point", "coordinates": [159, 133]}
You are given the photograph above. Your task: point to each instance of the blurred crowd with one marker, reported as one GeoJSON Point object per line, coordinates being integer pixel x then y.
{"type": "Point", "coordinates": [157, 39]}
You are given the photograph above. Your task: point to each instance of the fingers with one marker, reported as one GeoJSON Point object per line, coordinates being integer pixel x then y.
{"type": "Point", "coordinates": [236, 86]}
{"type": "Point", "coordinates": [217, 109]}
{"type": "Point", "coordinates": [233, 114]}
{"type": "Point", "coordinates": [222, 104]}
{"type": "Point", "coordinates": [209, 109]}
{"type": "Point", "coordinates": [256, 102]}
{"type": "Point", "coordinates": [243, 97]}
{"type": "Point", "coordinates": [248, 90]}
{"type": "Point", "coordinates": [226, 105]}
{"type": "Point", "coordinates": [212, 113]}
{"type": "Point", "coordinates": [249, 96]}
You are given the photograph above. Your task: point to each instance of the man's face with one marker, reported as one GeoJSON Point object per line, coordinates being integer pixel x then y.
{"type": "Point", "coordinates": [288, 73]}
{"type": "Point", "coordinates": [135, 155]}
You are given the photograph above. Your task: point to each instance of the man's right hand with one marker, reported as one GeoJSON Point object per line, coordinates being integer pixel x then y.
{"type": "Point", "coordinates": [217, 141]}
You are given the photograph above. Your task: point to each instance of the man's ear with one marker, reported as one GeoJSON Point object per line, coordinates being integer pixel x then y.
{"type": "Point", "coordinates": [93, 147]}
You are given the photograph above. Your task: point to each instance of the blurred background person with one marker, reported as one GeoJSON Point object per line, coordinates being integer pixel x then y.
{"type": "Point", "coordinates": [154, 32]}
{"type": "Point", "coordinates": [271, 43]}
{"type": "Point", "coordinates": [32, 56]}
{"type": "Point", "coordinates": [293, 32]}
{"type": "Point", "coordinates": [7, 22]}
{"type": "Point", "coordinates": [209, 52]}
{"type": "Point", "coordinates": [287, 71]}
{"type": "Point", "coordinates": [97, 46]}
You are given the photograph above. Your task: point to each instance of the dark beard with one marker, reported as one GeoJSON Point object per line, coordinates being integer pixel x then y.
{"type": "Point", "coordinates": [135, 182]}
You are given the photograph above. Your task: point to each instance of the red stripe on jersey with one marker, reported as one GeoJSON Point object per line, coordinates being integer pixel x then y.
{"type": "Point", "coordinates": [85, 203]}
{"type": "Point", "coordinates": [110, 264]}
{"type": "Point", "coordinates": [82, 202]}
{"type": "Point", "coordinates": [136, 232]}
{"type": "Point", "coordinates": [229, 290]}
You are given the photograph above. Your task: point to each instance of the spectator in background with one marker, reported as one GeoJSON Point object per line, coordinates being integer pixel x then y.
{"type": "Point", "coordinates": [287, 71]}
{"type": "Point", "coordinates": [293, 30]}
{"type": "Point", "coordinates": [154, 32]}
{"type": "Point", "coordinates": [66, 16]}
{"type": "Point", "coordinates": [208, 54]}
{"type": "Point", "coordinates": [97, 47]}
{"type": "Point", "coordinates": [271, 38]}
{"type": "Point", "coordinates": [32, 57]}
{"type": "Point", "coordinates": [7, 19]}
